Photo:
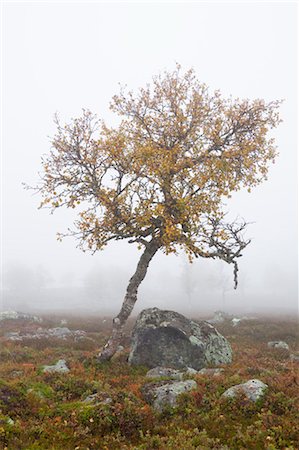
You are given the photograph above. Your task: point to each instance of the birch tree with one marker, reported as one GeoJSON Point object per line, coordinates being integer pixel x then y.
{"type": "Point", "coordinates": [160, 178]}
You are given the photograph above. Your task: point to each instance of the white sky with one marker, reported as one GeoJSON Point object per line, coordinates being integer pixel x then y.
{"type": "Point", "coordinates": [68, 56]}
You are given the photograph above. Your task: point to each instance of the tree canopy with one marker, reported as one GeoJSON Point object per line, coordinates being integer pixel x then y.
{"type": "Point", "coordinates": [164, 172]}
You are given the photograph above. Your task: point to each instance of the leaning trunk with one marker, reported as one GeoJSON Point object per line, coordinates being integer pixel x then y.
{"type": "Point", "coordinates": [129, 302]}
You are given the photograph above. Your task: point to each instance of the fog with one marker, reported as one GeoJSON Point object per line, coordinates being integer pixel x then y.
{"type": "Point", "coordinates": [69, 56]}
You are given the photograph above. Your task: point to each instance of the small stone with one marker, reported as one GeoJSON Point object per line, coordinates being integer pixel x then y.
{"type": "Point", "coordinates": [17, 373]}
{"type": "Point", "coordinates": [98, 398]}
{"type": "Point", "coordinates": [15, 315]}
{"type": "Point", "coordinates": [167, 372]}
{"type": "Point", "coordinates": [191, 371]}
{"type": "Point", "coordinates": [278, 344]}
{"type": "Point", "coordinates": [236, 321]}
{"type": "Point", "coordinates": [40, 333]}
{"type": "Point", "coordinates": [60, 366]}
{"type": "Point", "coordinates": [212, 372]}
{"type": "Point", "coordinates": [13, 336]}
{"type": "Point", "coordinates": [164, 394]}
{"type": "Point", "coordinates": [36, 392]}
{"type": "Point", "coordinates": [219, 317]}
{"type": "Point", "coordinates": [252, 389]}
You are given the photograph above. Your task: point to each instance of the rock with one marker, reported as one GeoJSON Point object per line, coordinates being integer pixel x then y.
{"type": "Point", "coordinates": [294, 357]}
{"type": "Point", "coordinates": [16, 373]}
{"type": "Point", "coordinates": [253, 390]}
{"type": "Point", "coordinates": [164, 394]}
{"type": "Point", "coordinates": [13, 336]}
{"type": "Point", "coordinates": [60, 366]}
{"type": "Point", "coordinates": [278, 344]}
{"type": "Point", "coordinates": [191, 371]}
{"type": "Point", "coordinates": [168, 339]}
{"type": "Point", "coordinates": [59, 332]}
{"type": "Point", "coordinates": [98, 398]}
{"type": "Point", "coordinates": [37, 393]}
{"type": "Point", "coordinates": [15, 315]}
{"type": "Point", "coordinates": [40, 333]}
{"type": "Point", "coordinates": [167, 372]}
{"type": "Point", "coordinates": [236, 321]}
{"type": "Point", "coordinates": [219, 317]}
{"type": "Point", "coordinates": [211, 372]}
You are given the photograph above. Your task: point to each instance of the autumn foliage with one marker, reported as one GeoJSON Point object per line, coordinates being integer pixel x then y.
{"type": "Point", "coordinates": [159, 179]}
{"type": "Point", "coordinates": [163, 173]}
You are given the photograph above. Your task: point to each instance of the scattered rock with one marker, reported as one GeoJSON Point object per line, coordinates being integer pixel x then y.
{"type": "Point", "coordinates": [236, 321]}
{"type": "Point", "coordinates": [167, 372]}
{"type": "Point", "coordinates": [15, 315]}
{"type": "Point", "coordinates": [253, 390]}
{"type": "Point", "coordinates": [98, 398]}
{"type": "Point", "coordinates": [278, 344]}
{"type": "Point", "coordinates": [164, 394]}
{"type": "Point", "coordinates": [191, 371]}
{"type": "Point", "coordinates": [40, 333]}
{"type": "Point", "coordinates": [38, 393]}
{"type": "Point", "coordinates": [60, 366]}
{"type": "Point", "coordinates": [16, 373]}
{"type": "Point", "coordinates": [219, 317]}
{"type": "Point", "coordinates": [212, 372]}
{"type": "Point", "coordinates": [12, 335]}
{"type": "Point", "coordinates": [168, 339]}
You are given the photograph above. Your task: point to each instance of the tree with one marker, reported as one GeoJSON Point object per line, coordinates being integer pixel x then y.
{"type": "Point", "coordinates": [159, 179]}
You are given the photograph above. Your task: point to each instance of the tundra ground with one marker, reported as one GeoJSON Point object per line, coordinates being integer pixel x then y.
{"type": "Point", "coordinates": [46, 410]}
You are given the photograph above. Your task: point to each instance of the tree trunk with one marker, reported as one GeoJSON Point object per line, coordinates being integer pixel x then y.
{"type": "Point", "coordinates": [129, 301]}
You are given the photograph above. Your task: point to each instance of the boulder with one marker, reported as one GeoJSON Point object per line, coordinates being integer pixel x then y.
{"type": "Point", "coordinates": [164, 394]}
{"type": "Point", "coordinates": [252, 389]}
{"type": "Point", "coordinates": [59, 367]}
{"type": "Point", "coordinates": [278, 344]}
{"type": "Point", "coordinates": [168, 339]}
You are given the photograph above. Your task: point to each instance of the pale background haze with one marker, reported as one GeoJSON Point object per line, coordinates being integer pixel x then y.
{"type": "Point", "coordinates": [69, 56]}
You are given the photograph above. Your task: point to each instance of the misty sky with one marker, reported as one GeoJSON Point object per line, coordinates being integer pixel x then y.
{"type": "Point", "coordinates": [69, 56]}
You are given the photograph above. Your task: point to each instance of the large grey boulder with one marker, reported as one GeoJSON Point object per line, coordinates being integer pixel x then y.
{"type": "Point", "coordinates": [164, 394]}
{"type": "Point", "coordinates": [252, 389]}
{"type": "Point", "coordinates": [168, 339]}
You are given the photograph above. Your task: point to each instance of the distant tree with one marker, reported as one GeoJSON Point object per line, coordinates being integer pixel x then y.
{"type": "Point", "coordinates": [160, 177]}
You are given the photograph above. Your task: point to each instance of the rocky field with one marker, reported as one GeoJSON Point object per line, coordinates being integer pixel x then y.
{"type": "Point", "coordinates": [54, 394]}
